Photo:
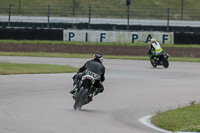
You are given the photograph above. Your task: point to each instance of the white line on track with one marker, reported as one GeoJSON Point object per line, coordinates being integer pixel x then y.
{"type": "Point", "coordinates": [146, 121]}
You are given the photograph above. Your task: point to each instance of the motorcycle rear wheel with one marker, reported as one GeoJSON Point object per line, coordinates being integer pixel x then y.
{"type": "Point", "coordinates": [165, 63]}
{"type": "Point", "coordinates": [80, 98]}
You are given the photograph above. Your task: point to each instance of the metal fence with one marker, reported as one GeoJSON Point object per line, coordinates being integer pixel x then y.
{"type": "Point", "coordinates": [100, 12]}
{"type": "Point", "coordinates": [48, 14]}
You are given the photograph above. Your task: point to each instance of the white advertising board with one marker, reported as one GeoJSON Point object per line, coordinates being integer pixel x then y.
{"type": "Point", "coordinates": [117, 36]}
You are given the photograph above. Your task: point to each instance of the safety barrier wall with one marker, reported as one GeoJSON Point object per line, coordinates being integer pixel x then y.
{"type": "Point", "coordinates": [81, 26]}
{"type": "Point", "coordinates": [186, 38]}
{"type": "Point", "coordinates": [30, 34]}
{"type": "Point", "coordinates": [133, 37]}
{"type": "Point", "coordinates": [117, 36]}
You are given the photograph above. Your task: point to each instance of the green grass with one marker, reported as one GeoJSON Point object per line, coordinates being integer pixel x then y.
{"type": "Point", "coordinates": [67, 43]}
{"type": "Point", "coordinates": [43, 54]}
{"type": "Point", "coordinates": [139, 9]}
{"type": "Point", "coordinates": [110, 3]}
{"type": "Point", "coordinates": [182, 119]}
{"type": "Point", "coordinates": [15, 68]}
{"type": "Point", "coordinates": [62, 42]}
{"type": "Point", "coordinates": [66, 55]}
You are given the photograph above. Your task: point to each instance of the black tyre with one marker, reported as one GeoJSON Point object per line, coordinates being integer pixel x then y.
{"type": "Point", "coordinates": [80, 98]}
{"type": "Point", "coordinates": [165, 63]}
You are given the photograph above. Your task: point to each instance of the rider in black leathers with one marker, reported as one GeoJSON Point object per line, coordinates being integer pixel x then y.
{"type": "Point", "coordinates": [95, 65]}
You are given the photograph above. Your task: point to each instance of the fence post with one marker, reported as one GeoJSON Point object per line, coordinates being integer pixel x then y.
{"type": "Point", "coordinates": [19, 12]}
{"type": "Point", "coordinates": [168, 19]}
{"type": "Point", "coordinates": [73, 8]}
{"type": "Point", "coordinates": [128, 15]}
{"type": "Point", "coordinates": [48, 15]}
{"type": "Point", "coordinates": [89, 17]}
{"type": "Point", "coordinates": [9, 15]}
{"type": "Point", "coordinates": [182, 10]}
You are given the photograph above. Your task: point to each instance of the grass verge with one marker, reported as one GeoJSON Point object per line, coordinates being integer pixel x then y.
{"type": "Point", "coordinates": [186, 119]}
{"type": "Point", "coordinates": [66, 55]}
{"type": "Point", "coordinates": [15, 68]}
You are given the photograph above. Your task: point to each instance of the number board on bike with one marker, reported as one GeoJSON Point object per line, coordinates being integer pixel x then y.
{"type": "Point", "coordinates": [96, 76]}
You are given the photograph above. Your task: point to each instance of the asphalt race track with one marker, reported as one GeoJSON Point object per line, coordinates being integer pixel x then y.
{"type": "Point", "coordinates": [40, 103]}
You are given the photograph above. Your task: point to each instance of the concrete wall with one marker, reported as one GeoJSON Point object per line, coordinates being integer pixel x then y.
{"type": "Point", "coordinates": [117, 36]}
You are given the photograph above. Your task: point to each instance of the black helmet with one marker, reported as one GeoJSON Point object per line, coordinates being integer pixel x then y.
{"type": "Point", "coordinates": [98, 56]}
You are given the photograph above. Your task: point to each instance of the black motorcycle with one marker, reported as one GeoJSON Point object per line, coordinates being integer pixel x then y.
{"type": "Point", "coordinates": [85, 90]}
{"type": "Point", "coordinates": [161, 59]}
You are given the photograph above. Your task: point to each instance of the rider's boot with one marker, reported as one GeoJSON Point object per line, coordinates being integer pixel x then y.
{"type": "Point", "coordinates": [74, 89]}
{"type": "Point", "coordinates": [90, 97]}
{"type": "Point", "coordinates": [155, 59]}
{"type": "Point", "coordinates": [75, 85]}
{"type": "Point", "coordinates": [92, 94]}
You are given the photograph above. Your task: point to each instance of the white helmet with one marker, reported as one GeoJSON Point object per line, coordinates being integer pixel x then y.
{"type": "Point", "coordinates": [153, 40]}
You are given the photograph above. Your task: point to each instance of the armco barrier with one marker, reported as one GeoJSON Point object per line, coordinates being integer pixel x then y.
{"type": "Point", "coordinates": [30, 34]}
{"type": "Point", "coordinates": [186, 38]}
{"type": "Point", "coordinates": [81, 26]}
